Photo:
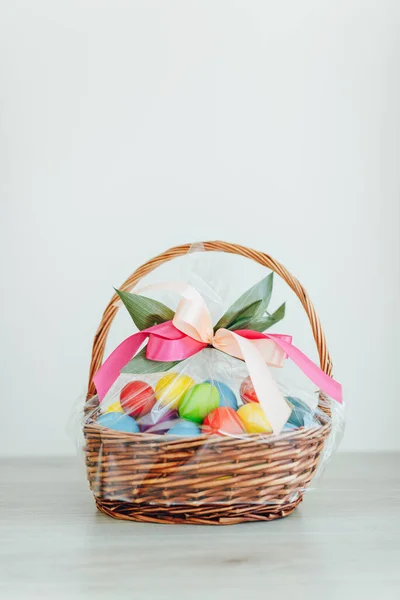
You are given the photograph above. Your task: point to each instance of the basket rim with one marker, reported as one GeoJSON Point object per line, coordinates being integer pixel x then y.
{"type": "Point", "coordinates": [91, 426]}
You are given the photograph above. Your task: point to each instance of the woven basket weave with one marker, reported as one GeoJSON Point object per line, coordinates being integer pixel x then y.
{"type": "Point", "coordinates": [202, 480]}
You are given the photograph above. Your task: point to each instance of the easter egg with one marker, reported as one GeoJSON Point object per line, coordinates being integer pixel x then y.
{"type": "Point", "coordinates": [158, 421]}
{"type": "Point", "coordinates": [137, 398]}
{"type": "Point", "coordinates": [119, 422]}
{"type": "Point", "coordinates": [198, 401]}
{"type": "Point", "coordinates": [253, 418]}
{"type": "Point", "coordinates": [222, 421]}
{"type": "Point", "coordinates": [184, 428]}
{"type": "Point", "coordinates": [114, 407]}
{"type": "Point", "coordinates": [247, 391]}
{"type": "Point", "coordinates": [171, 388]}
{"type": "Point", "coordinates": [311, 421]}
{"type": "Point", "coordinates": [301, 413]}
{"type": "Point", "coordinates": [226, 396]}
{"type": "Point", "coordinates": [289, 427]}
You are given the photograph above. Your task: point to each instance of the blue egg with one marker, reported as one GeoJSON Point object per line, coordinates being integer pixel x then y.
{"type": "Point", "coordinates": [226, 395]}
{"type": "Point", "coordinates": [300, 414]}
{"type": "Point", "coordinates": [119, 422]}
{"type": "Point", "coordinates": [185, 428]}
{"type": "Point", "coordinates": [289, 427]}
{"type": "Point", "coordinates": [311, 421]}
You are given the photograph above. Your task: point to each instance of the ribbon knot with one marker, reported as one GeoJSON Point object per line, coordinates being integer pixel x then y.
{"type": "Point", "coordinates": [191, 330]}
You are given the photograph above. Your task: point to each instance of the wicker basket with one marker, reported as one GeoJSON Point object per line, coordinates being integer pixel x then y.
{"type": "Point", "coordinates": [202, 480]}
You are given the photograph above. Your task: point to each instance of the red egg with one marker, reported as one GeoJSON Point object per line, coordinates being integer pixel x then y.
{"type": "Point", "coordinates": [247, 391]}
{"type": "Point", "coordinates": [137, 398]}
{"type": "Point", "coordinates": [222, 421]}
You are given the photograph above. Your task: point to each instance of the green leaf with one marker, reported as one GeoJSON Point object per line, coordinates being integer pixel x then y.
{"type": "Point", "coordinates": [260, 293]}
{"type": "Point", "coordinates": [142, 365]}
{"type": "Point", "coordinates": [267, 321]}
{"type": "Point", "coordinates": [145, 312]}
{"type": "Point", "coordinates": [245, 316]}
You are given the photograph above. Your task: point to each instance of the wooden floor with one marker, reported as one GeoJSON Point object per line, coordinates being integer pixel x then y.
{"type": "Point", "coordinates": [342, 543]}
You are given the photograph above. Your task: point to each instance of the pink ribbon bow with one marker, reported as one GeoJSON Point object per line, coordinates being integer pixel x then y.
{"type": "Point", "coordinates": [191, 330]}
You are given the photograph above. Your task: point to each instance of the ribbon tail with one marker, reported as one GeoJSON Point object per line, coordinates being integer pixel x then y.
{"type": "Point", "coordinates": [111, 368]}
{"type": "Point", "coordinates": [325, 383]}
{"type": "Point", "coordinates": [270, 397]}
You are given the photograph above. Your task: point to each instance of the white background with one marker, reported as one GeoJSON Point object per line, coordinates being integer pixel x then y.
{"type": "Point", "coordinates": [129, 127]}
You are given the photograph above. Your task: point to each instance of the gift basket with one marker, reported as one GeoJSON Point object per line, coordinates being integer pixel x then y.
{"type": "Point", "coordinates": [185, 421]}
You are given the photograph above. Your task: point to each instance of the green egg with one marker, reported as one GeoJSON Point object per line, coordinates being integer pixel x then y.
{"type": "Point", "coordinates": [198, 401]}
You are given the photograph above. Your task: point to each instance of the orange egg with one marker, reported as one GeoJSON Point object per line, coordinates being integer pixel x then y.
{"type": "Point", "coordinates": [222, 421]}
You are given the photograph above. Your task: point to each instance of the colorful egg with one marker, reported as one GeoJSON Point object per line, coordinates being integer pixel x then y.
{"type": "Point", "coordinates": [113, 407]}
{"type": "Point", "coordinates": [253, 418]}
{"type": "Point", "coordinates": [198, 401]}
{"type": "Point", "coordinates": [137, 398]}
{"type": "Point", "coordinates": [300, 412]}
{"type": "Point", "coordinates": [247, 391]}
{"type": "Point", "coordinates": [222, 421]}
{"type": "Point", "coordinates": [171, 388]}
{"type": "Point", "coordinates": [226, 396]}
{"type": "Point", "coordinates": [119, 422]}
{"type": "Point", "coordinates": [289, 427]}
{"type": "Point", "coordinates": [311, 420]}
{"type": "Point", "coordinates": [158, 421]}
{"type": "Point", "coordinates": [185, 429]}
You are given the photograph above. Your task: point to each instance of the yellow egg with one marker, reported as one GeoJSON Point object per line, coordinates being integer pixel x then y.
{"type": "Point", "coordinates": [114, 407]}
{"type": "Point", "coordinates": [253, 418]}
{"type": "Point", "coordinates": [171, 388]}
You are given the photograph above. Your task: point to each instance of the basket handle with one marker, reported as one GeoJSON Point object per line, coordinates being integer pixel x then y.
{"type": "Point", "coordinates": [263, 259]}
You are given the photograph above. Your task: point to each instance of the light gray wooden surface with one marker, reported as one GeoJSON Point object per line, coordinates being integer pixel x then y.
{"type": "Point", "coordinates": [342, 543]}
